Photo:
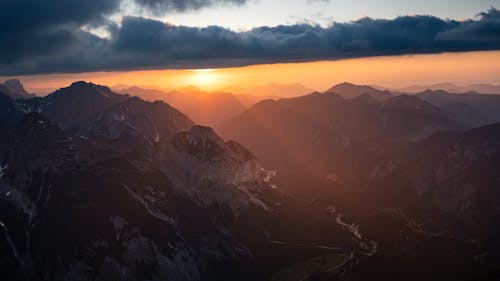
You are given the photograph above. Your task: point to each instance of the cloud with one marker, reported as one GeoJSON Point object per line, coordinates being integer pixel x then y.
{"type": "Point", "coordinates": [314, 1]}
{"type": "Point", "coordinates": [183, 5]}
{"type": "Point", "coordinates": [139, 43]}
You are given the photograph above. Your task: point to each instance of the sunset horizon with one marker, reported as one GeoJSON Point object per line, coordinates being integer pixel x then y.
{"type": "Point", "coordinates": [403, 70]}
{"type": "Point", "coordinates": [249, 140]}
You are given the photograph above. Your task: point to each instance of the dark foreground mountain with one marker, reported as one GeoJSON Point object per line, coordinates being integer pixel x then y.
{"type": "Point", "coordinates": [100, 186]}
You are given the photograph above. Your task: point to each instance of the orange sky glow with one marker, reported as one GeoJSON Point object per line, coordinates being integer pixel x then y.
{"type": "Point", "coordinates": [395, 71]}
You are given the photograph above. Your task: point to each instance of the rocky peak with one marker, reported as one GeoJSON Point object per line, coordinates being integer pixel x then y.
{"type": "Point", "coordinates": [201, 132]}
{"type": "Point", "coordinates": [14, 84]}
{"type": "Point", "coordinates": [87, 88]}
{"type": "Point", "coordinates": [151, 121]}
{"type": "Point", "coordinates": [14, 89]}
{"type": "Point", "coordinates": [201, 142]}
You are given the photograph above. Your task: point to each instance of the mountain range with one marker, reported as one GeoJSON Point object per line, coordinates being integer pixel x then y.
{"type": "Point", "coordinates": [347, 184]}
{"type": "Point", "coordinates": [98, 185]}
{"type": "Point", "coordinates": [418, 172]}
{"type": "Point", "coordinates": [202, 107]}
{"type": "Point", "coordinates": [272, 90]}
{"type": "Point", "coordinates": [449, 87]}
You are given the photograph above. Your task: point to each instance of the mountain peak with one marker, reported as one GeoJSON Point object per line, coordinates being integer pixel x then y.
{"type": "Point", "coordinates": [14, 89]}
{"type": "Point", "coordinates": [86, 88]}
{"type": "Point", "coordinates": [80, 84]}
{"type": "Point", "coordinates": [344, 86]}
{"type": "Point", "coordinates": [429, 91]}
{"type": "Point", "coordinates": [202, 132]}
{"type": "Point", "coordinates": [348, 91]}
{"type": "Point", "coordinates": [13, 83]}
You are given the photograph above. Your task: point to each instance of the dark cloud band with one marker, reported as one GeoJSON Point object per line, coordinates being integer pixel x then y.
{"type": "Point", "coordinates": [183, 5]}
{"type": "Point", "coordinates": [144, 43]}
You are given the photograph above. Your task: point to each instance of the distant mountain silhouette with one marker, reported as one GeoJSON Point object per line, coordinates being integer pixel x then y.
{"type": "Point", "coordinates": [452, 88]}
{"type": "Point", "coordinates": [349, 91]}
{"type": "Point", "coordinates": [15, 90]}
{"type": "Point", "coordinates": [204, 108]}
{"type": "Point", "coordinates": [269, 127]}
{"type": "Point", "coordinates": [466, 114]}
{"type": "Point", "coordinates": [487, 104]}
{"type": "Point", "coordinates": [272, 90]}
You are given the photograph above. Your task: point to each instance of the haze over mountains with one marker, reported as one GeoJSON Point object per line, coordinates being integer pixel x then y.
{"type": "Point", "coordinates": [347, 184]}
{"type": "Point", "coordinates": [131, 188]}
{"type": "Point", "coordinates": [203, 107]}
{"type": "Point", "coordinates": [274, 90]}
{"type": "Point", "coordinates": [409, 168]}
{"type": "Point", "coordinates": [449, 87]}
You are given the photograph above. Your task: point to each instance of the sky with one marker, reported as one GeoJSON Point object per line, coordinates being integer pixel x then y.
{"type": "Point", "coordinates": [275, 12]}
{"type": "Point", "coordinates": [463, 69]}
{"type": "Point", "coordinates": [45, 41]}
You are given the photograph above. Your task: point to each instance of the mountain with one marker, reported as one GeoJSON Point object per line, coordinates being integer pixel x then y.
{"type": "Point", "coordinates": [349, 91]}
{"type": "Point", "coordinates": [9, 112]}
{"type": "Point", "coordinates": [301, 129]}
{"type": "Point", "coordinates": [204, 108]}
{"type": "Point", "coordinates": [420, 186]}
{"type": "Point", "coordinates": [432, 208]}
{"type": "Point", "coordinates": [272, 90]}
{"type": "Point", "coordinates": [125, 189]}
{"type": "Point", "coordinates": [452, 88]}
{"type": "Point", "coordinates": [466, 114]}
{"type": "Point", "coordinates": [487, 104]}
{"type": "Point", "coordinates": [128, 189]}
{"type": "Point", "coordinates": [76, 106]}
{"type": "Point", "coordinates": [249, 100]}
{"type": "Point", "coordinates": [14, 89]}
{"type": "Point", "coordinates": [483, 88]}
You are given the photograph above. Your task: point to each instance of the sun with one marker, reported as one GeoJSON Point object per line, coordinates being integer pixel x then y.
{"type": "Point", "coordinates": [205, 78]}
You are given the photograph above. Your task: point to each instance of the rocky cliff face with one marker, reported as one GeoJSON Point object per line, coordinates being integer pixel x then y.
{"type": "Point", "coordinates": [220, 172]}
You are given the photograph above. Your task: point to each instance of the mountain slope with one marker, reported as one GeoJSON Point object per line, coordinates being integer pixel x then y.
{"type": "Point", "coordinates": [142, 193]}
{"type": "Point", "coordinates": [316, 127]}
{"type": "Point", "coordinates": [466, 114]}
{"type": "Point", "coordinates": [76, 106]}
{"type": "Point", "coordinates": [430, 203]}
{"type": "Point", "coordinates": [487, 104]}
